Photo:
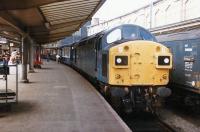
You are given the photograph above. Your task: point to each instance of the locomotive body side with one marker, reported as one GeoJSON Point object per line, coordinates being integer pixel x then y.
{"type": "Point", "coordinates": [85, 58]}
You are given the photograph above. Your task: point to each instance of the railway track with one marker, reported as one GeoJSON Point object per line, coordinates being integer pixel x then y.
{"type": "Point", "coordinates": [142, 121]}
{"type": "Point", "coordinates": [166, 127]}
{"type": "Point", "coordinates": [146, 122]}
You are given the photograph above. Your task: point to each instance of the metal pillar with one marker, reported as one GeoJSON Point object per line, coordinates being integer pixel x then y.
{"type": "Point", "coordinates": [151, 13]}
{"type": "Point", "coordinates": [31, 55]}
{"type": "Point", "coordinates": [182, 10]}
{"type": "Point", "coordinates": [25, 43]}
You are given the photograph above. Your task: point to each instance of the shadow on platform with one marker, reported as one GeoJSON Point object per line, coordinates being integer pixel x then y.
{"type": "Point", "coordinates": [17, 108]}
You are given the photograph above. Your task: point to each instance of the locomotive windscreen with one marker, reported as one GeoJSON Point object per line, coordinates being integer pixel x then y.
{"type": "Point", "coordinates": [136, 33]}
{"type": "Point", "coordinates": [129, 32]}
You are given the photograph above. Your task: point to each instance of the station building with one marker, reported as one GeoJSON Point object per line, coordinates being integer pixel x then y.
{"type": "Point", "coordinates": [157, 14]}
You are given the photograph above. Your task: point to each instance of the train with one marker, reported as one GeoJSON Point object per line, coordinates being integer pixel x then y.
{"type": "Point", "coordinates": [130, 67]}
{"type": "Point", "coordinates": [185, 75]}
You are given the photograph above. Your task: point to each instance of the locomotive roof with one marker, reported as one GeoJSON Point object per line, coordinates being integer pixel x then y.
{"type": "Point", "coordinates": [104, 32]}
{"type": "Point", "coordinates": [192, 34]}
{"type": "Point", "coordinates": [109, 30]}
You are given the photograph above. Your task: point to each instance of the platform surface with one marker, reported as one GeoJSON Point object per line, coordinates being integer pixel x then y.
{"type": "Point", "coordinates": [58, 99]}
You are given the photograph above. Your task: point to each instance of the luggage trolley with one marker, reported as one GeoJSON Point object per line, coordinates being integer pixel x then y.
{"type": "Point", "coordinates": [7, 96]}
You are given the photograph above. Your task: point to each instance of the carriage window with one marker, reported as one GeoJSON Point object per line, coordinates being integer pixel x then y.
{"type": "Point", "coordinates": [114, 36]}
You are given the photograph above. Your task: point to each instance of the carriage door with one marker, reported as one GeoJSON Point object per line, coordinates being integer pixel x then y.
{"type": "Point", "coordinates": [98, 62]}
{"type": "Point", "coordinates": [71, 54]}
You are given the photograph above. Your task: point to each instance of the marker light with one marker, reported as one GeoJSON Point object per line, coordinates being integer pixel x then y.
{"type": "Point", "coordinates": [166, 60]}
{"type": "Point", "coordinates": [119, 60]}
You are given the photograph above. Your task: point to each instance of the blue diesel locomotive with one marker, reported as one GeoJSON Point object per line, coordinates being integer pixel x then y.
{"type": "Point", "coordinates": [127, 63]}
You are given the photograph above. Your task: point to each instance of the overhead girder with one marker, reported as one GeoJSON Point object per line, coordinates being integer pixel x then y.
{"type": "Point", "coordinates": [24, 4]}
{"type": "Point", "coordinates": [53, 19]}
{"type": "Point", "coordinates": [8, 31]}
{"type": "Point", "coordinates": [6, 18]}
{"type": "Point", "coordinates": [83, 7]}
{"type": "Point", "coordinates": [52, 28]}
{"type": "Point", "coordinates": [66, 33]}
{"type": "Point", "coordinates": [4, 27]}
{"type": "Point", "coordinates": [11, 38]}
{"type": "Point", "coordinates": [69, 3]}
{"type": "Point", "coordinates": [42, 41]}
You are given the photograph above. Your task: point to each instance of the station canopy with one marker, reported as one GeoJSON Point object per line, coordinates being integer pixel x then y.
{"type": "Point", "coordinates": [45, 20]}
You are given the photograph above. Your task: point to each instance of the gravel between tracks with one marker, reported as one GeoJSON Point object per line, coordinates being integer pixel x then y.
{"type": "Point", "coordinates": [179, 123]}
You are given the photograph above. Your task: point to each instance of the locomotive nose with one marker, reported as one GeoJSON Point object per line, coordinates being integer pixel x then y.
{"type": "Point", "coordinates": [140, 63]}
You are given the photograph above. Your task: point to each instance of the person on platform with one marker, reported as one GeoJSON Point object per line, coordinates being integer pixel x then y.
{"type": "Point", "coordinates": [13, 58]}
{"type": "Point", "coordinates": [48, 57]}
{"type": "Point", "coordinates": [58, 58]}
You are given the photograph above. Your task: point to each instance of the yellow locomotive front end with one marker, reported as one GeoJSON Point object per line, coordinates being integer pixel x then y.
{"type": "Point", "coordinates": [139, 73]}
{"type": "Point", "coordinates": [137, 69]}
{"type": "Point", "coordinates": [139, 63]}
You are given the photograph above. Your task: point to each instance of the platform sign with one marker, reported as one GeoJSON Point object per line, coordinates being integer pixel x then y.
{"type": "Point", "coordinates": [11, 44]}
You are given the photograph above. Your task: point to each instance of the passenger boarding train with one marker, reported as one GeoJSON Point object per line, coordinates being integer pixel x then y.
{"type": "Point", "coordinates": [127, 63]}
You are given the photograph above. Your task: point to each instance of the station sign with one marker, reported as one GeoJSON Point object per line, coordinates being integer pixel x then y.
{"type": "Point", "coordinates": [11, 44]}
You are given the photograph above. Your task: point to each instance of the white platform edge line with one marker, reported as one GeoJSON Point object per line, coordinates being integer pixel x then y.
{"type": "Point", "coordinates": [123, 124]}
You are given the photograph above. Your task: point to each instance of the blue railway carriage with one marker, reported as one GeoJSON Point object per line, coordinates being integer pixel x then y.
{"type": "Point", "coordinates": [185, 76]}
{"type": "Point", "coordinates": [66, 54]}
{"type": "Point", "coordinates": [127, 63]}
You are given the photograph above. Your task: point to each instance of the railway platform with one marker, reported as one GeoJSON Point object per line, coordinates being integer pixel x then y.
{"type": "Point", "coordinates": [58, 99]}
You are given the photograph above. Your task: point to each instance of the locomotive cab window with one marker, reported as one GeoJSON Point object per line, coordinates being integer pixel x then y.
{"type": "Point", "coordinates": [114, 36]}
{"type": "Point", "coordinates": [145, 35]}
{"type": "Point", "coordinates": [130, 33]}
